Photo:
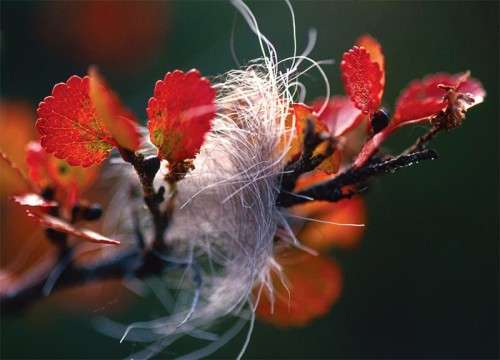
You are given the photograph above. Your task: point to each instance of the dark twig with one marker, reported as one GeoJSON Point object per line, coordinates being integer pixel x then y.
{"type": "Point", "coordinates": [139, 262]}
{"type": "Point", "coordinates": [332, 190]}
{"type": "Point", "coordinates": [139, 236]}
{"type": "Point", "coordinates": [146, 169]}
{"type": "Point", "coordinates": [448, 119]}
{"type": "Point", "coordinates": [124, 264]}
{"type": "Point", "coordinates": [142, 262]}
{"type": "Point", "coordinates": [307, 160]}
{"type": "Point", "coordinates": [423, 140]}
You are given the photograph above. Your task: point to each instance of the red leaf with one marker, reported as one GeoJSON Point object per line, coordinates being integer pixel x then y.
{"type": "Point", "coordinates": [314, 284]}
{"type": "Point", "coordinates": [119, 121]}
{"type": "Point", "coordinates": [180, 114]}
{"type": "Point", "coordinates": [36, 161]}
{"type": "Point", "coordinates": [298, 115]}
{"type": "Point", "coordinates": [16, 119]}
{"type": "Point", "coordinates": [372, 145]}
{"type": "Point", "coordinates": [301, 113]}
{"type": "Point", "coordinates": [323, 234]}
{"type": "Point", "coordinates": [375, 50]}
{"type": "Point", "coordinates": [66, 176]}
{"type": "Point", "coordinates": [45, 169]}
{"type": "Point", "coordinates": [336, 223]}
{"type": "Point", "coordinates": [340, 116]}
{"type": "Point", "coordinates": [65, 227]}
{"type": "Point", "coordinates": [362, 79]}
{"type": "Point", "coordinates": [423, 99]}
{"type": "Point", "coordinates": [9, 169]}
{"type": "Point", "coordinates": [69, 126]}
{"type": "Point", "coordinates": [474, 89]}
{"type": "Point", "coordinates": [310, 179]}
{"type": "Point", "coordinates": [33, 200]}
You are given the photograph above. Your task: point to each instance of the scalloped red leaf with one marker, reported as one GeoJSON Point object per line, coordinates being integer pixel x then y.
{"type": "Point", "coordinates": [340, 116]}
{"type": "Point", "coordinates": [423, 98]}
{"type": "Point", "coordinates": [65, 227]}
{"type": "Point", "coordinates": [375, 50]}
{"type": "Point", "coordinates": [33, 200]}
{"type": "Point", "coordinates": [362, 79]}
{"type": "Point", "coordinates": [69, 126]}
{"type": "Point", "coordinates": [180, 114]}
{"type": "Point", "coordinates": [120, 122]}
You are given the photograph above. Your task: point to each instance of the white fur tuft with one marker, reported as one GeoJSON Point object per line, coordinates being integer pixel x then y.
{"type": "Point", "coordinates": [226, 217]}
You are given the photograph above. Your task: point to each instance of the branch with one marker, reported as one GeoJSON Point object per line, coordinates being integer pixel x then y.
{"type": "Point", "coordinates": [332, 190]}
{"type": "Point", "coordinates": [142, 262]}
{"type": "Point", "coordinates": [139, 262]}
{"type": "Point", "coordinates": [307, 160]}
{"type": "Point", "coordinates": [146, 169]}
{"type": "Point", "coordinates": [125, 264]}
{"type": "Point", "coordinates": [423, 140]}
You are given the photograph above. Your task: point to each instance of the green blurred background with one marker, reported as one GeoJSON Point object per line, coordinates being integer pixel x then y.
{"type": "Point", "coordinates": [423, 283]}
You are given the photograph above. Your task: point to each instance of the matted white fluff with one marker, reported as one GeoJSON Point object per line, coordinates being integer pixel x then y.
{"type": "Point", "coordinates": [226, 214]}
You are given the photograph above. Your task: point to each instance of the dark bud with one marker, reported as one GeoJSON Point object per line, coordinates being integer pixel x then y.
{"type": "Point", "coordinates": [53, 211]}
{"type": "Point", "coordinates": [380, 119]}
{"type": "Point", "coordinates": [92, 212]}
{"type": "Point", "coordinates": [56, 236]}
{"type": "Point", "coordinates": [160, 195]}
{"type": "Point", "coordinates": [75, 212]}
{"type": "Point", "coordinates": [48, 193]}
{"type": "Point", "coordinates": [126, 154]}
{"type": "Point", "coordinates": [151, 165]}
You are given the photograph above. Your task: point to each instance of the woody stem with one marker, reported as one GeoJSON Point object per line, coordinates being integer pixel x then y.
{"type": "Point", "coordinates": [146, 169]}
{"type": "Point", "coordinates": [424, 139]}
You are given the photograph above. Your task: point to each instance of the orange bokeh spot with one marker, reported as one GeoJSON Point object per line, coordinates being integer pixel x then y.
{"type": "Point", "coordinates": [16, 122]}
{"type": "Point", "coordinates": [21, 241]}
{"type": "Point", "coordinates": [345, 214]}
{"type": "Point", "coordinates": [310, 179]}
{"type": "Point", "coordinates": [321, 235]}
{"type": "Point", "coordinates": [314, 285]}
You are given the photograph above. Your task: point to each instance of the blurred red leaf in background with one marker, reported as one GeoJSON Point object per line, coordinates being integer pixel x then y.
{"type": "Point", "coordinates": [312, 285]}
{"type": "Point", "coordinates": [23, 243]}
{"type": "Point", "coordinates": [122, 35]}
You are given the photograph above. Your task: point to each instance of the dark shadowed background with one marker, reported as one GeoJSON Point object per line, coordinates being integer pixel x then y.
{"type": "Point", "coordinates": [423, 283]}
